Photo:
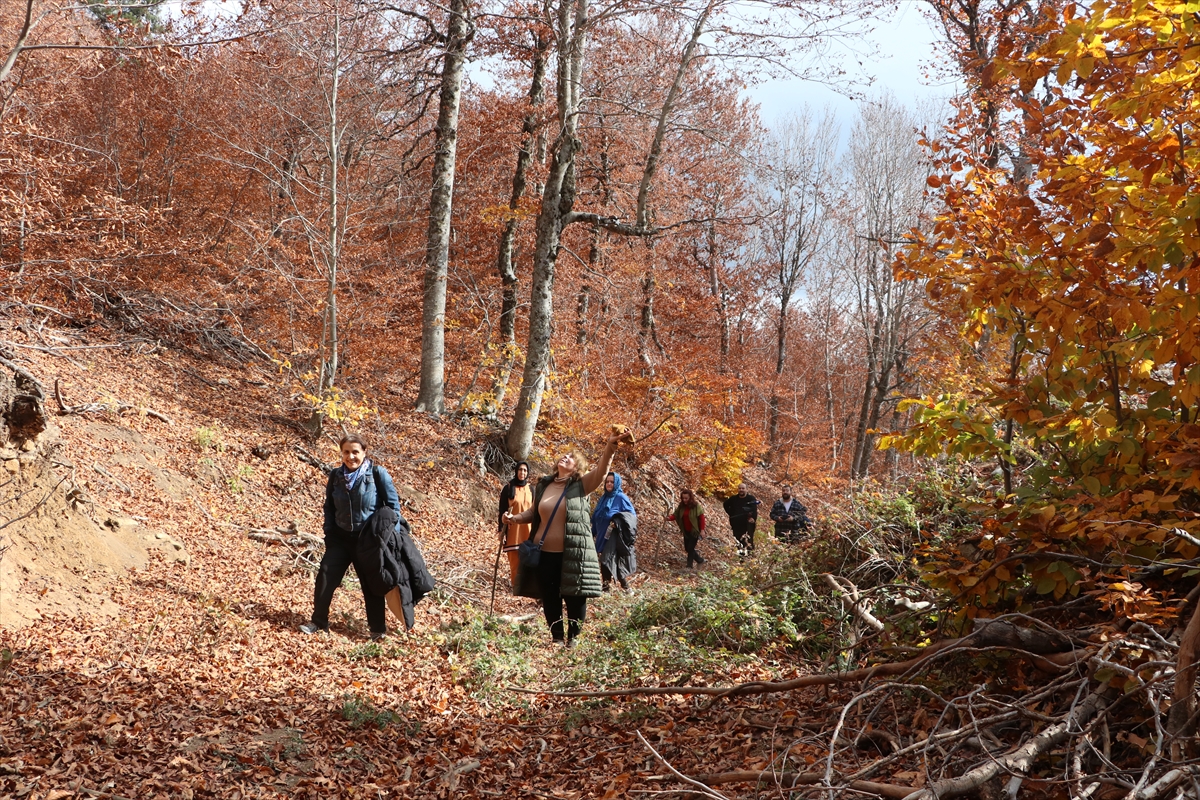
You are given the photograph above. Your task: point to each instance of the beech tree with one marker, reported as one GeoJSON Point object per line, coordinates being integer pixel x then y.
{"type": "Point", "coordinates": [454, 41]}
{"type": "Point", "coordinates": [715, 19]}
{"type": "Point", "coordinates": [537, 54]}
{"type": "Point", "coordinates": [325, 108]}
{"type": "Point", "coordinates": [1090, 273]}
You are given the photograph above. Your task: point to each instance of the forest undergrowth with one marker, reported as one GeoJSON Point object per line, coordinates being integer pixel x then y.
{"type": "Point", "coordinates": [831, 665]}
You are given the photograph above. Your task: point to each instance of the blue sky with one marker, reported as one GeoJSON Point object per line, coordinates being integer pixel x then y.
{"type": "Point", "coordinates": [905, 47]}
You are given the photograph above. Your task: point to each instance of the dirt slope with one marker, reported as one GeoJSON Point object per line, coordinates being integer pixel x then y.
{"type": "Point", "coordinates": [149, 647]}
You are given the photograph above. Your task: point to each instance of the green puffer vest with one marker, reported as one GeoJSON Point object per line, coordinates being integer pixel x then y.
{"type": "Point", "coordinates": [581, 568]}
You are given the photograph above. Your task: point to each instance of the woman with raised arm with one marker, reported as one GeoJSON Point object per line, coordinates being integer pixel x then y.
{"type": "Point", "coordinates": [569, 571]}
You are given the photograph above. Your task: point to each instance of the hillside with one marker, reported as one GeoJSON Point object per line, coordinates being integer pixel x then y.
{"type": "Point", "coordinates": [150, 645]}
{"type": "Point", "coordinates": [158, 558]}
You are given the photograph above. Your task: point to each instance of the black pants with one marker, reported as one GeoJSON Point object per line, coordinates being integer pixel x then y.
{"type": "Point", "coordinates": [550, 576]}
{"type": "Point", "coordinates": [743, 531]}
{"type": "Point", "coordinates": [340, 553]}
{"type": "Point", "coordinates": [689, 544]}
{"type": "Point", "coordinates": [791, 534]}
{"type": "Point", "coordinates": [607, 575]}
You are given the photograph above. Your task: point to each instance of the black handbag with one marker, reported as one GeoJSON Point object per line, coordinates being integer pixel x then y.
{"type": "Point", "coordinates": [527, 583]}
{"type": "Point", "coordinates": [529, 558]}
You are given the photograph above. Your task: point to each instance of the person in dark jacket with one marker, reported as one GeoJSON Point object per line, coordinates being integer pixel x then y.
{"type": "Point", "coordinates": [619, 557]}
{"type": "Point", "coordinates": [353, 493]}
{"type": "Point", "coordinates": [790, 517]}
{"type": "Point", "coordinates": [391, 565]}
{"type": "Point", "coordinates": [614, 529]}
{"type": "Point", "coordinates": [568, 569]}
{"type": "Point", "coordinates": [689, 516]}
{"type": "Point", "coordinates": [742, 509]}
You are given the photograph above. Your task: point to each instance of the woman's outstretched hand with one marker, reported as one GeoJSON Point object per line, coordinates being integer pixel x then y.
{"type": "Point", "coordinates": [620, 434]}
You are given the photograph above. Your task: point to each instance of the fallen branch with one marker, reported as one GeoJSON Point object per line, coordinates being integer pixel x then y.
{"type": "Point", "coordinates": [1161, 786]}
{"type": "Point", "coordinates": [705, 790]}
{"type": "Point", "coordinates": [27, 375]}
{"type": "Point", "coordinates": [290, 536]}
{"type": "Point", "coordinates": [120, 484]}
{"type": "Point", "coordinates": [39, 504]}
{"type": "Point", "coordinates": [204, 510]}
{"type": "Point", "coordinates": [849, 596]}
{"type": "Point", "coordinates": [117, 408]}
{"type": "Point", "coordinates": [308, 458]}
{"type": "Point", "coordinates": [794, 780]}
{"type": "Point", "coordinates": [295, 540]}
{"type": "Point", "coordinates": [1019, 761]}
{"type": "Point", "coordinates": [95, 793]}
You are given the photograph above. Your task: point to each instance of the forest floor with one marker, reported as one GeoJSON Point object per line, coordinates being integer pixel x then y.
{"type": "Point", "coordinates": [157, 654]}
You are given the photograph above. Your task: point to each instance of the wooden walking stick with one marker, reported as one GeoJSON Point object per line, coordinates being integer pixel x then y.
{"type": "Point", "coordinates": [496, 577]}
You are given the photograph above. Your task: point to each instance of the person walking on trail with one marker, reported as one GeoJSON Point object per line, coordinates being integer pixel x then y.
{"type": "Point", "coordinates": [568, 569]}
{"type": "Point", "coordinates": [689, 516]}
{"type": "Point", "coordinates": [353, 493]}
{"type": "Point", "coordinates": [614, 529]}
{"type": "Point", "coordinates": [742, 509]}
{"type": "Point", "coordinates": [790, 517]}
{"type": "Point", "coordinates": [515, 498]}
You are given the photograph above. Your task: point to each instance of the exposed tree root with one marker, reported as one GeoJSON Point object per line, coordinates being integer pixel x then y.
{"type": "Point", "coordinates": [117, 408]}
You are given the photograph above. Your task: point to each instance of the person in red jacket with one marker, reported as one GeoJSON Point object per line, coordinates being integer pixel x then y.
{"type": "Point", "coordinates": [689, 516]}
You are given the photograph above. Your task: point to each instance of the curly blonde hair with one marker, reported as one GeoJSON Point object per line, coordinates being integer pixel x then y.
{"type": "Point", "coordinates": [581, 463]}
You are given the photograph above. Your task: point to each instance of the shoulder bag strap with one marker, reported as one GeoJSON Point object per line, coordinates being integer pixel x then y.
{"type": "Point", "coordinates": [550, 519]}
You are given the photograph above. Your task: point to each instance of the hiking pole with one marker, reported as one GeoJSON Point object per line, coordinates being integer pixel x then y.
{"type": "Point", "coordinates": [496, 577]}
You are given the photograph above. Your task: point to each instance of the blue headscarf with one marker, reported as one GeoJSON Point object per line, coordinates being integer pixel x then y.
{"type": "Point", "coordinates": [609, 505]}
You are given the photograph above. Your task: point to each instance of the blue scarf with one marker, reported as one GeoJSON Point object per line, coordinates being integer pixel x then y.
{"type": "Point", "coordinates": [352, 477]}
{"type": "Point", "coordinates": [608, 506]}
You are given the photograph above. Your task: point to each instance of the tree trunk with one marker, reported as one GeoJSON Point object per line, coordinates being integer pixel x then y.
{"type": "Point", "coordinates": [504, 256]}
{"type": "Point", "coordinates": [829, 403]}
{"type": "Point", "coordinates": [22, 37]}
{"type": "Point", "coordinates": [329, 328]}
{"type": "Point", "coordinates": [857, 463]}
{"type": "Point", "coordinates": [647, 330]}
{"type": "Point", "coordinates": [720, 294]}
{"type": "Point", "coordinates": [584, 302]}
{"type": "Point", "coordinates": [558, 197]}
{"type": "Point", "coordinates": [780, 360]}
{"type": "Point", "coordinates": [431, 395]}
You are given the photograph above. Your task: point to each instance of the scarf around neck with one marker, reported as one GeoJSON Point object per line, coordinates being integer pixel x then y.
{"type": "Point", "coordinates": [352, 477]}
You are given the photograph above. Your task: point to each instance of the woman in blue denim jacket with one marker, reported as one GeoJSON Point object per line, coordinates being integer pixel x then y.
{"type": "Point", "coordinates": [354, 491]}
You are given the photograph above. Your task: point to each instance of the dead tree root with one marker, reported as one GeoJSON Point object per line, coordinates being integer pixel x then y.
{"type": "Point", "coordinates": [119, 408]}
